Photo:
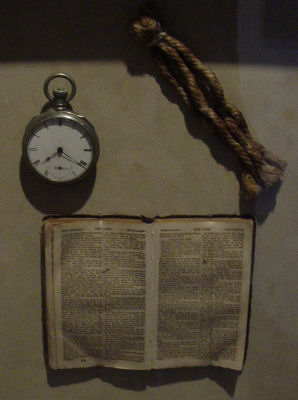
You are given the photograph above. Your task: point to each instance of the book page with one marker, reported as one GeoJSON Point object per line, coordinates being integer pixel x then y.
{"type": "Point", "coordinates": [203, 291]}
{"type": "Point", "coordinates": [98, 288]}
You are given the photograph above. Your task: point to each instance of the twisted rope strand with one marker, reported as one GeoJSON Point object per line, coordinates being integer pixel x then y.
{"type": "Point", "coordinates": [203, 73]}
{"type": "Point", "coordinates": [170, 75]}
{"type": "Point", "coordinates": [201, 105]}
{"type": "Point", "coordinates": [201, 90]}
{"type": "Point", "coordinates": [229, 111]}
{"type": "Point", "coordinates": [247, 179]}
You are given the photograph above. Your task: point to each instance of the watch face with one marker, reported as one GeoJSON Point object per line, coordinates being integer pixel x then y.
{"type": "Point", "coordinates": [61, 148]}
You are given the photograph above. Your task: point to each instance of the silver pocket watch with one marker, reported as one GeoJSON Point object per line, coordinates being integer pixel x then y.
{"type": "Point", "coordinates": [59, 145]}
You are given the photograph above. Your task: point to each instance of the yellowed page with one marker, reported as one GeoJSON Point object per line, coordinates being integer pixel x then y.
{"type": "Point", "coordinates": [203, 291]}
{"type": "Point", "coordinates": [99, 289]}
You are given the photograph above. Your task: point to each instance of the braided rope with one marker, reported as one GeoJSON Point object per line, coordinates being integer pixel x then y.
{"type": "Point", "coordinates": [201, 91]}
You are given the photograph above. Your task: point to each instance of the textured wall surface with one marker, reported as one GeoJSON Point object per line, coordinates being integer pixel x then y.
{"type": "Point", "coordinates": [156, 159]}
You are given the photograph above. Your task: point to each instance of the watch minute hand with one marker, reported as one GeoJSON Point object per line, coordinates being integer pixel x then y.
{"type": "Point", "coordinates": [67, 157]}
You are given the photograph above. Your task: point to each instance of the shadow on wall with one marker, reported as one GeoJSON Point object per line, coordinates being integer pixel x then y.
{"type": "Point", "coordinates": [97, 29]}
{"type": "Point", "coordinates": [54, 199]}
{"type": "Point", "coordinates": [280, 22]}
{"type": "Point", "coordinates": [141, 380]}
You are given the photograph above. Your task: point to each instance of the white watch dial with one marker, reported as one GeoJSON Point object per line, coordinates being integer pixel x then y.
{"type": "Point", "coordinates": [60, 150]}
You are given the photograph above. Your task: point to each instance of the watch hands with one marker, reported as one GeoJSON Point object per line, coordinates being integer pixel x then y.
{"type": "Point", "coordinates": [73, 161]}
{"type": "Point", "coordinates": [61, 153]}
{"type": "Point", "coordinates": [67, 157]}
{"type": "Point", "coordinates": [49, 158]}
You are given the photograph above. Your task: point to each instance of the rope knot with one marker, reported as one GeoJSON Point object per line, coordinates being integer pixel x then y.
{"type": "Point", "coordinates": [147, 27]}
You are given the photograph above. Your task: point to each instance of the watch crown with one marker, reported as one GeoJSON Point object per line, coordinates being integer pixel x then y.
{"type": "Point", "coordinates": [60, 93]}
{"type": "Point", "coordinates": [60, 99]}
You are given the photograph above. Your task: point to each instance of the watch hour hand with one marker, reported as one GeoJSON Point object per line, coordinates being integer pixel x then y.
{"type": "Point", "coordinates": [49, 158]}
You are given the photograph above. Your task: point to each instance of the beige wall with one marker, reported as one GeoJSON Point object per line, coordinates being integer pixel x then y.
{"type": "Point", "coordinates": [155, 159]}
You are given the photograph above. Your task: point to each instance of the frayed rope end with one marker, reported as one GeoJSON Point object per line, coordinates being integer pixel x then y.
{"type": "Point", "coordinates": [272, 171]}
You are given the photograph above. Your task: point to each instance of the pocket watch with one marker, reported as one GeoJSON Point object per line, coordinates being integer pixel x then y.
{"type": "Point", "coordinates": [59, 145]}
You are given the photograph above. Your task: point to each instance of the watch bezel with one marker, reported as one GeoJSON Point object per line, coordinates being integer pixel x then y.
{"type": "Point", "coordinates": [52, 115]}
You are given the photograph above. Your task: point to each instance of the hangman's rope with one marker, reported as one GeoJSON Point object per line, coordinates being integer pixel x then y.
{"type": "Point", "coordinates": [200, 89]}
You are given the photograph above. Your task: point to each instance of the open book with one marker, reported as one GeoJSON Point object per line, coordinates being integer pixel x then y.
{"type": "Point", "coordinates": [124, 293]}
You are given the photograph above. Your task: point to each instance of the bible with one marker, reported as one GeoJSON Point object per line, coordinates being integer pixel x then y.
{"type": "Point", "coordinates": [126, 292]}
